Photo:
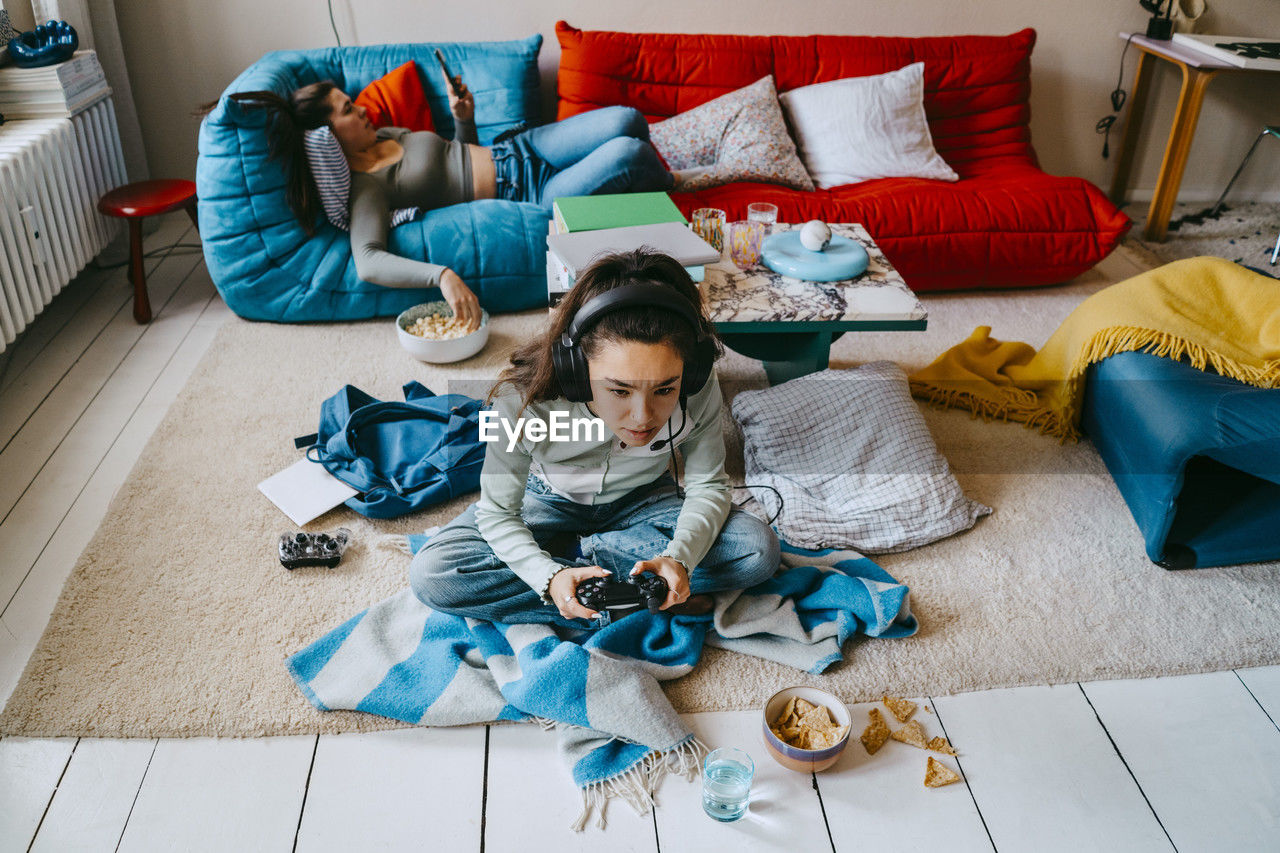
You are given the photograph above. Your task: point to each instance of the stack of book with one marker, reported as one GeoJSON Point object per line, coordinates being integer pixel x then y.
{"type": "Point", "coordinates": [596, 212]}
{"type": "Point", "coordinates": [586, 227]}
{"type": "Point", "coordinates": [53, 91]}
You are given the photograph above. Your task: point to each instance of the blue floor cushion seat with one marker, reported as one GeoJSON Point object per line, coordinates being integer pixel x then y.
{"type": "Point", "coordinates": [262, 261]}
{"type": "Point", "coordinates": [1195, 455]}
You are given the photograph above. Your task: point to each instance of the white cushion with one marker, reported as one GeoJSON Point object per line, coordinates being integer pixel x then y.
{"type": "Point", "coordinates": [862, 128]}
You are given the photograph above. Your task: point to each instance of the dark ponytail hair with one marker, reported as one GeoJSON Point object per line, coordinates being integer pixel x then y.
{"type": "Point", "coordinates": [531, 371]}
{"type": "Point", "coordinates": [306, 108]}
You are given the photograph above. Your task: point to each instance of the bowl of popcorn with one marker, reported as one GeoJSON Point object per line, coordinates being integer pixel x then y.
{"type": "Point", "coordinates": [805, 729]}
{"type": "Point", "coordinates": [430, 332]}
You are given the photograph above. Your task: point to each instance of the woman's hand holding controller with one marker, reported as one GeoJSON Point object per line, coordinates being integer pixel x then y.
{"type": "Point", "coordinates": [670, 570]}
{"type": "Point", "coordinates": [564, 590]}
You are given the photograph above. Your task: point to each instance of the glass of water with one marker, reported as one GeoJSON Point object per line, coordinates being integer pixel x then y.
{"type": "Point", "coordinates": [726, 783]}
{"type": "Point", "coordinates": [764, 213]}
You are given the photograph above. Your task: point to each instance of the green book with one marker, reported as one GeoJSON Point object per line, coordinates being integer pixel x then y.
{"type": "Point", "coordinates": [594, 212]}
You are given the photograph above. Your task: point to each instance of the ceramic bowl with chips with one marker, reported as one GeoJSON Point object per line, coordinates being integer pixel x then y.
{"type": "Point", "coordinates": [439, 350]}
{"type": "Point", "coordinates": [794, 758]}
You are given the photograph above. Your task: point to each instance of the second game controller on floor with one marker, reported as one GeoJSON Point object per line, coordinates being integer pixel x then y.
{"type": "Point", "coordinates": [313, 549]}
{"type": "Point", "coordinates": [617, 598]}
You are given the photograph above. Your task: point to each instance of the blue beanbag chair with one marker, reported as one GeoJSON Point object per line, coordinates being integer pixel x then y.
{"type": "Point", "coordinates": [1195, 455]}
{"type": "Point", "coordinates": [263, 263]}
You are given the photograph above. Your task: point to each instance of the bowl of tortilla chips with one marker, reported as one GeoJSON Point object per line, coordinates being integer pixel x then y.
{"type": "Point", "coordinates": [805, 729]}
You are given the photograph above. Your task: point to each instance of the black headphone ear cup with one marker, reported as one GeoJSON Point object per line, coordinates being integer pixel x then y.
{"type": "Point", "coordinates": [581, 376]}
{"type": "Point", "coordinates": [562, 363]}
{"type": "Point", "coordinates": [572, 372]}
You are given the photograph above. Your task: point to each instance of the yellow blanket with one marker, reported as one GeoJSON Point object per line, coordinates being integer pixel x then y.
{"type": "Point", "coordinates": [1214, 313]}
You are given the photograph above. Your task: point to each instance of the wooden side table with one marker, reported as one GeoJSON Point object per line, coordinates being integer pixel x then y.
{"type": "Point", "coordinates": [1197, 70]}
{"type": "Point", "coordinates": [790, 324]}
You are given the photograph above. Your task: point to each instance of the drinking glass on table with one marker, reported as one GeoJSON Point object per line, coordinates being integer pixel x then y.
{"type": "Point", "coordinates": [726, 783]}
{"type": "Point", "coordinates": [744, 243]}
{"type": "Point", "coordinates": [765, 213]}
{"type": "Point", "coordinates": [709, 224]}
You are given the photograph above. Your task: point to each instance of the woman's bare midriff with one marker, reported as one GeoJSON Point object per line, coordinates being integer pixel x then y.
{"type": "Point", "coordinates": [484, 177]}
{"type": "Point", "coordinates": [483, 174]}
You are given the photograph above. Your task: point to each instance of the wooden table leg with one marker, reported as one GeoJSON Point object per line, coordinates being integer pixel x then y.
{"type": "Point", "coordinates": [1190, 98]}
{"type": "Point", "coordinates": [137, 273]}
{"type": "Point", "coordinates": [1132, 128]}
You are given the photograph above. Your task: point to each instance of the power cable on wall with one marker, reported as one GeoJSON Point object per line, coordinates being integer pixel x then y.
{"type": "Point", "coordinates": [334, 24]}
{"type": "Point", "coordinates": [1117, 96]}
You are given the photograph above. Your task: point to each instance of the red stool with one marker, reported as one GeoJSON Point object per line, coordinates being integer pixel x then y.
{"type": "Point", "coordinates": [136, 202]}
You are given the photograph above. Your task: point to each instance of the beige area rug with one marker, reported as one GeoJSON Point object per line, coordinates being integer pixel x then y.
{"type": "Point", "coordinates": [177, 618]}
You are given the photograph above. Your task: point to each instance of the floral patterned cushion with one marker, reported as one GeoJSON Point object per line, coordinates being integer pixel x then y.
{"type": "Point", "coordinates": [740, 136]}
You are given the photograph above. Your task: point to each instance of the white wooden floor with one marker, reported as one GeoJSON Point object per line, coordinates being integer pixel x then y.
{"type": "Point", "coordinates": [1186, 764]}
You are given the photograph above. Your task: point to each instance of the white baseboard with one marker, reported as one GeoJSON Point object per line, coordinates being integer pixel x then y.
{"type": "Point", "coordinates": [1203, 196]}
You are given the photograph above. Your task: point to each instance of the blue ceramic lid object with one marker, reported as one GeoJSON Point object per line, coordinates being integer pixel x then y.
{"type": "Point", "coordinates": [842, 259]}
{"type": "Point", "coordinates": [47, 44]}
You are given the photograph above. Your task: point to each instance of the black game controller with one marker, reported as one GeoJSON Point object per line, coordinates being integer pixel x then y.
{"type": "Point", "coordinates": [313, 549]}
{"type": "Point", "coordinates": [612, 598]}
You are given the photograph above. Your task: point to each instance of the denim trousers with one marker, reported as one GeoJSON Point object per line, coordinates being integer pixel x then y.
{"type": "Point", "coordinates": [602, 151]}
{"type": "Point", "coordinates": [457, 572]}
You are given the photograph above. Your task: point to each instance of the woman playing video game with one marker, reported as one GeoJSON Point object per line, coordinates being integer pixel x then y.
{"type": "Point", "coordinates": [631, 346]}
{"type": "Point", "coordinates": [603, 151]}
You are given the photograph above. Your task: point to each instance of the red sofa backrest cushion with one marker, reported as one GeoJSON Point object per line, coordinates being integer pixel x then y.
{"type": "Point", "coordinates": [976, 88]}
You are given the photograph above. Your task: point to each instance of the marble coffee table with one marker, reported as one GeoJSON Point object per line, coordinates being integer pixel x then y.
{"type": "Point", "coordinates": [789, 324]}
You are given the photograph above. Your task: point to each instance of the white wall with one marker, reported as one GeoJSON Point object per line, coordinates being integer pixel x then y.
{"type": "Point", "coordinates": [183, 52]}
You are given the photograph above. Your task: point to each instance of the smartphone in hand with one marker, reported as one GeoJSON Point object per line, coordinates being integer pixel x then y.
{"type": "Point", "coordinates": [453, 81]}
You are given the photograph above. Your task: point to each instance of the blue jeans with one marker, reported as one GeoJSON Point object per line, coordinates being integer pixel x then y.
{"type": "Point", "coordinates": [457, 572]}
{"type": "Point", "coordinates": [602, 151]}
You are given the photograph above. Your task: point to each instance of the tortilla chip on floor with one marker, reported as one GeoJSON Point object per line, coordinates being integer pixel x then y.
{"type": "Point", "coordinates": [940, 744]}
{"type": "Point", "coordinates": [912, 733]}
{"type": "Point", "coordinates": [876, 733]}
{"type": "Point", "coordinates": [938, 774]}
{"type": "Point", "coordinates": [901, 708]}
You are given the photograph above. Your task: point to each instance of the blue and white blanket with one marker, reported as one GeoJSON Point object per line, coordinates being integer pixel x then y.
{"type": "Point", "coordinates": [618, 733]}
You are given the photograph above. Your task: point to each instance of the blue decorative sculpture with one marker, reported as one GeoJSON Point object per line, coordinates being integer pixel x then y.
{"type": "Point", "coordinates": [47, 44]}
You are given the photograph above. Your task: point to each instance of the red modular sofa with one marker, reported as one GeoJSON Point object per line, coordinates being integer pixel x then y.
{"type": "Point", "coordinates": [1005, 223]}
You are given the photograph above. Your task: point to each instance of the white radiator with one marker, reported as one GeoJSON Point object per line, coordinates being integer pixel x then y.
{"type": "Point", "coordinates": [52, 173]}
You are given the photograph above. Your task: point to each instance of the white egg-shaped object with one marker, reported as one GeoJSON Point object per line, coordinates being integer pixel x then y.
{"type": "Point", "coordinates": [815, 235]}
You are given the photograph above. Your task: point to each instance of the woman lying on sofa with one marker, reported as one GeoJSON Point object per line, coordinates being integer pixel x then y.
{"type": "Point", "coordinates": [603, 151]}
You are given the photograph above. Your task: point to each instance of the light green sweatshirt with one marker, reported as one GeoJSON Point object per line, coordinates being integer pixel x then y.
{"type": "Point", "coordinates": [601, 471]}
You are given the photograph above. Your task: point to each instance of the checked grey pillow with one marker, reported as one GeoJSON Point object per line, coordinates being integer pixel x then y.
{"type": "Point", "coordinates": [854, 461]}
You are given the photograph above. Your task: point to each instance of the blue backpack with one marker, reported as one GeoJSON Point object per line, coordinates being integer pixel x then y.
{"type": "Point", "coordinates": [402, 457]}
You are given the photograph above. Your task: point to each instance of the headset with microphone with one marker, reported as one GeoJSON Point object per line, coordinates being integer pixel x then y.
{"type": "Point", "coordinates": [670, 439]}
{"type": "Point", "coordinates": [570, 363]}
